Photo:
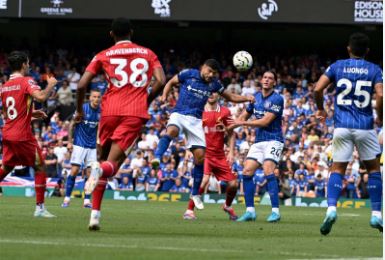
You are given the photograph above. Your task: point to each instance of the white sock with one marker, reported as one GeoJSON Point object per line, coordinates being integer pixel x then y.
{"type": "Point", "coordinates": [377, 214]}
{"type": "Point", "coordinates": [67, 199]}
{"type": "Point", "coordinates": [95, 213]}
{"type": "Point", "coordinates": [275, 210]}
{"type": "Point", "coordinates": [86, 201]}
{"type": "Point", "coordinates": [250, 209]}
{"type": "Point", "coordinates": [40, 206]}
{"type": "Point", "coordinates": [189, 211]}
{"type": "Point", "coordinates": [330, 209]}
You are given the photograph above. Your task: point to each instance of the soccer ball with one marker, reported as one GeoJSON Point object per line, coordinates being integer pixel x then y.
{"type": "Point", "coordinates": [242, 60]}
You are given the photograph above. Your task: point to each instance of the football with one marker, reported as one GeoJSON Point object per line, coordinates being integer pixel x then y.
{"type": "Point", "coordinates": [242, 60]}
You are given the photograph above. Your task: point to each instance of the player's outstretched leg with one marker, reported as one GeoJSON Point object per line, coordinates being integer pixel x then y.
{"type": "Point", "coordinates": [272, 186]}
{"type": "Point", "coordinates": [375, 193]}
{"type": "Point", "coordinates": [40, 183]}
{"type": "Point", "coordinates": [334, 191]}
{"type": "Point", "coordinates": [231, 191]}
{"type": "Point", "coordinates": [163, 145]}
{"type": "Point", "coordinates": [69, 187]}
{"type": "Point", "coordinates": [249, 191]}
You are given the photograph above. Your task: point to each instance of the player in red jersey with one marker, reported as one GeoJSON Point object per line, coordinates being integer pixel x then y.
{"type": "Point", "coordinates": [129, 69]}
{"type": "Point", "coordinates": [215, 119]}
{"type": "Point", "coordinates": [19, 144]}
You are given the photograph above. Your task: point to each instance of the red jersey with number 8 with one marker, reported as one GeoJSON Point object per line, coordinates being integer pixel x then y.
{"type": "Point", "coordinates": [128, 68]}
{"type": "Point", "coordinates": [17, 107]}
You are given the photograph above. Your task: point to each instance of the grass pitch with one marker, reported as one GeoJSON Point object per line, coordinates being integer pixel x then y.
{"type": "Point", "coordinates": [156, 230]}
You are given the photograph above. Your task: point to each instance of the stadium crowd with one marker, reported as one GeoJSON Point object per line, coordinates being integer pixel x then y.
{"type": "Point", "coordinates": [303, 170]}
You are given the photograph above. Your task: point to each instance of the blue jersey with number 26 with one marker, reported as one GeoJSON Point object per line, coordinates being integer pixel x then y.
{"type": "Point", "coordinates": [354, 80]}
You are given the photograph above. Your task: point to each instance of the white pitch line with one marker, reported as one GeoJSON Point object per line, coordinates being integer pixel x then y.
{"type": "Point", "coordinates": [165, 248]}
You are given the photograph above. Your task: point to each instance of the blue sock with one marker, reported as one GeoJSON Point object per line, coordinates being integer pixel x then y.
{"type": "Point", "coordinates": [86, 197]}
{"type": "Point", "coordinates": [272, 188]}
{"type": "Point", "coordinates": [249, 190]}
{"type": "Point", "coordinates": [334, 188]}
{"type": "Point", "coordinates": [198, 176]}
{"type": "Point", "coordinates": [163, 144]}
{"type": "Point", "coordinates": [70, 185]}
{"type": "Point", "coordinates": [375, 190]}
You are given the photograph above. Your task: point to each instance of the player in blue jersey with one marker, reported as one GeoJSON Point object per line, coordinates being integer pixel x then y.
{"type": "Point", "coordinates": [355, 80]}
{"type": "Point", "coordinates": [84, 145]}
{"type": "Point", "coordinates": [267, 150]}
{"type": "Point", "coordinates": [195, 88]}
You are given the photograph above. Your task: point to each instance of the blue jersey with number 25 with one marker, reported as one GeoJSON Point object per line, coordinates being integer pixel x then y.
{"type": "Point", "coordinates": [354, 80]}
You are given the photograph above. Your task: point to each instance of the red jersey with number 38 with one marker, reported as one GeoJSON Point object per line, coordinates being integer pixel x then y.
{"type": "Point", "coordinates": [128, 68]}
{"type": "Point", "coordinates": [17, 107]}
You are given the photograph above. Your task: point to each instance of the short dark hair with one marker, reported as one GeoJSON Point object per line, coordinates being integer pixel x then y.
{"type": "Point", "coordinates": [121, 27]}
{"type": "Point", "coordinates": [272, 72]}
{"type": "Point", "coordinates": [359, 44]}
{"type": "Point", "coordinates": [16, 60]}
{"type": "Point", "coordinates": [95, 90]}
{"type": "Point", "coordinates": [213, 63]}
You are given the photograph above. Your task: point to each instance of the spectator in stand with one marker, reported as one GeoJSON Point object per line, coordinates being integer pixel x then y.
{"type": "Point", "coordinates": [73, 77]}
{"type": "Point", "coordinates": [152, 182]}
{"type": "Point", "coordinates": [51, 163]}
{"type": "Point", "coordinates": [64, 94]}
{"type": "Point", "coordinates": [234, 87]}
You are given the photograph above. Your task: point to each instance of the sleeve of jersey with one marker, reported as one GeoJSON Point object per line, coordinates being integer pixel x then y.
{"type": "Point", "coordinates": [227, 117]}
{"type": "Point", "coordinates": [32, 86]}
{"type": "Point", "coordinates": [250, 108]}
{"type": "Point", "coordinates": [330, 72]}
{"type": "Point", "coordinates": [276, 106]}
{"type": "Point", "coordinates": [95, 65]}
{"type": "Point", "coordinates": [219, 87]}
{"type": "Point", "coordinates": [183, 75]}
{"type": "Point", "coordinates": [378, 78]}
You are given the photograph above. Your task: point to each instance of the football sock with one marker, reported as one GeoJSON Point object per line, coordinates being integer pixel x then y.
{"type": "Point", "coordinates": [272, 187]}
{"type": "Point", "coordinates": [98, 193]}
{"type": "Point", "coordinates": [198, 176]}
{"type": "Point", "coordinates": [163, 144]}
{"type": "Point", "coordinates": [86, 196]}
{"type": "Point", "coordinates": [249, 190]}
{"type": "Point", "coordinates": [70, 185]}
{"type": "Point", "coordinates": [109, 168]}
{"type": "Point", "coordinates": [3, 174]}
{"type": "Point", "coordinates": [230, 195]}
{"type": "Point", "coordinates": [375, 190]}
{"type": "Point", "coordinates": [40, 183]}
{"type": "Point", "coordinates": [334, 188]}
{"type": "Point", "coordinates": [191, 205]}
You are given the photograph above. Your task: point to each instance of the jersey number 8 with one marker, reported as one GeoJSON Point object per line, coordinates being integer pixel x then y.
{"type": "Point", "coordinates": [138, 77]}
{"type": "Point", "coordinates": [11, 110]}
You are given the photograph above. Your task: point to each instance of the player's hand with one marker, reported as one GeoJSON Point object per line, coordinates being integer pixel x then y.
{"type": "Point", "coordinates": [230, 158]}
{"type": "Point", "coordinates": [39, 114]}
{"type": "Point", "coordinates": [234, 124]}
{"type": "Point", "coordinates": [250, 99]}
{"type": "Point", "coordinates": [52, 81]}
{"type": "Point", "coordinates": [163, 99]}
{"type": "Point", "coordinates": [78, 117]}
{"type": "Point", "coordinates": [219, 125]}
{"type": "Point", "coordinates": [321, 115]}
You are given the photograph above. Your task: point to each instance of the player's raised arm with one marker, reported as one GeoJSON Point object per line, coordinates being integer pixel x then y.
{"type": "Point", "coordinates": [265, 121]}
{"type": "Point", "coordinates": [173, 82]}
{"type": "Point", "coordinates": [379, 102]}
{"type": "Point", "coordinates": [157, 85]}
{"type": "Point", "coordinates": [42, 95]}
{"type": "Point", "coordinates": [80, 94]}
{"type": "Point", "coordinates": [322, 84]}
{"type": "Point", "coordinates": [236, 98]}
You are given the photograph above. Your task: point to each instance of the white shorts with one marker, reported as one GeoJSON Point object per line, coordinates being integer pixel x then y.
{"type": "Point", "coordinates": [344, 140]}
{"type": "Point", "coordinates": [82, 155]}
{"type": "Point", "coordinates": [262, 151]}
{"type": "Point", "coordinates": [191, 127]}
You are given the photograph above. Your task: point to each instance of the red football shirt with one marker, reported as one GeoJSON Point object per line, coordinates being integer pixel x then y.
{"type": "Point", "coordinates": [17, 107]}
{"type": "Point", "coordinates": [128, 68]}
{"type": "Point", "coordinates": [215, 137]}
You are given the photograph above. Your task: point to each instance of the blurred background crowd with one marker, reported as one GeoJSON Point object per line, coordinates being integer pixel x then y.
{"type": "Point", "coordinates": [303, 170]}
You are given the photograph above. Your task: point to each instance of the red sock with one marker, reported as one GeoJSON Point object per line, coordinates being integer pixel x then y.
{"type": "Point", "coordinates": [230, 195]}
{"type": "Point", "coordinates": [201, 190]}
{"type": "Point", "coordinates": [97, 195]}
{"type": "Point", "coordinates": [191, 205]}
{"type": "Point", "coordinates": [109, 168]}
{"type": "Point", "coordinates": [3, 174]}
{"type": "Point", "coordinates": [40, 182]}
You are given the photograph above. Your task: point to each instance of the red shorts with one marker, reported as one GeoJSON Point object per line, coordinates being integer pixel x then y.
{"type": "Point", "coordinates": [26, 153]}
{"type": "Point", "coordinates": [123, 130]}
{"type": "Point", "coordinates": [219, 167]}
